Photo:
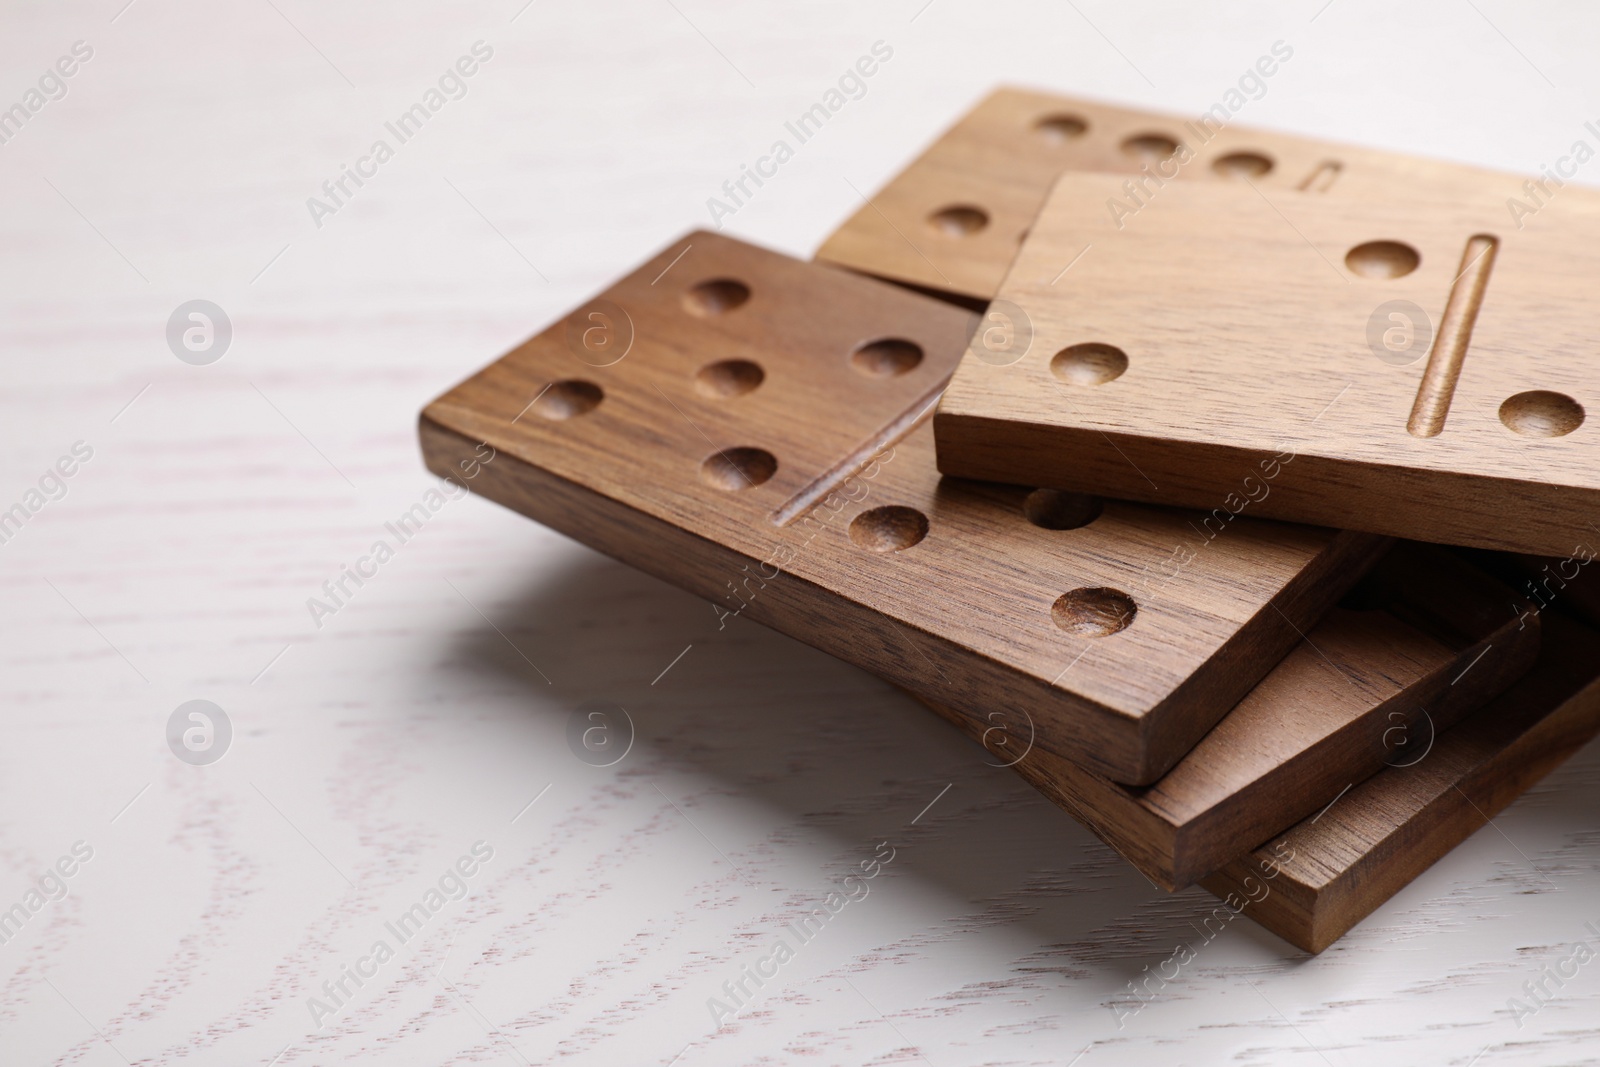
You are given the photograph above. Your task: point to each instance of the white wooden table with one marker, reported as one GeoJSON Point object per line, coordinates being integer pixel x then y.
{"type": "Point", "coordinates": [429, 714]}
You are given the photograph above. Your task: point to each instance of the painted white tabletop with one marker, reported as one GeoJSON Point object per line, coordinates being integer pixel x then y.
{"type": "Point", "coordinates": [418, 728]}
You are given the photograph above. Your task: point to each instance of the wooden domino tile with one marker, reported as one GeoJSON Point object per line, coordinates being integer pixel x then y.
{"type": "Point", "coordinates": [1427, 640]}
{"type": "Point", "coordinates": [953, 219]}
{"type": "Point", "coordinates": [747, 426]}
{"type": "Point", "coordinates": [1181, 354]}
{"type": "Point", "coordinates": [1329, 873]}
{"type": "Point", "coordinates": [1571, 581]}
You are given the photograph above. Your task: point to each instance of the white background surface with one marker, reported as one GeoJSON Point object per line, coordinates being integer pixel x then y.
{"type": "Point", "coordinates": [376, 750]}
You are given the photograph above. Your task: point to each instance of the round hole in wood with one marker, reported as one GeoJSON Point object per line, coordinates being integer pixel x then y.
{"type": "Point", "coordinates": [734, 469]}
{"type": "Point", "coordinates": [1541, 413]}
{"type": "Point", "coordinates": [888, 529]}
{"type": "Point", "coordinates": [1057, 510]}
{"type": "Point", "coordinates": [715, 297]}
{"type": "Point", "coordinates": [1060, 128]}
{"type": "Point", "coordinates": [1242, 165]}
{"type": "Point", "coordinates": [1097, 612]}
{"type": "Point", "coordinates": [886, 358]}
{"type": "Point", "coordinates": [568, 399]}
{"type": "Point", "coordinates": [728, 378]}
{"type": "Point", "coordinates": [1382, 259]}
{"type": "Point", "coordinates": [1089, 364]}
{"type": "Point", "coordinates": [1150, 147]}
{"type": "Point", "coordinates": [958, 220]}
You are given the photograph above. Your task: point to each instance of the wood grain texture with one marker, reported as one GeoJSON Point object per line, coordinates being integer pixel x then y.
{"type": "Point", "coordinates": [408, 726]}
{"type": "Point", "coordinates": [1426, 639]}
{"type": "Point", "coordinates": [925, 582]}
{"type": "Point", "coordinates": [1268, 340]}
{"type": "Point", "coordinates": [1570, 581]}
{"type": "Point", "coordinates": [999, 161]}
{"type": "Point", "coordinates": [1398, 823]}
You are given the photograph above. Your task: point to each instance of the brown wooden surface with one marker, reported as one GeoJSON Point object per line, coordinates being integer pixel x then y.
{"type": "Point", "coordinates": [1392, 827]}
{"type": "Point", "coordinates": [967, 616]}
{"type": "Point", "coordinates": [1572, 582]}
{"type": "Point", "coordinates": [1426, 640]}
{"type": "Point", "coordinates": [1002, 157]}
{"type": "Point", "coordinates": [1244, 322]}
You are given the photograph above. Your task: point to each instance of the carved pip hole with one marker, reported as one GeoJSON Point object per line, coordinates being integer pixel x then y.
{"type": "Point", "coordinates": [958, 220]}
{"type": "Point", "coordinates": [715, 297]}
{"type": "Point", "coordinates": [889, 529]}
{"type": "Point", "coordinates": [1382, 259]}
{"type": "Point", "coordinates": [1243, 165]}
{"type": "Point", "coordinates": [728, 378]}
{"type": "Point", "coordinates": [1541, 413]}
{"type": "Point", "coordinates": [1061, 127]}
{"type": "Point", "coordinates": [1053, 509]}
{"type": "Point", "coordinates": [1091, 363]}
{"type": "Point", "coordinates": [1094, 612]}
{"type": "Point", "coordinates": [1150, 147]}
{"type": "Point", "coordinates": [888, 357]}
{"type": "Point", "coordinates": [735, 469]}
{"type": "Point", "coordinates": [568, 399]}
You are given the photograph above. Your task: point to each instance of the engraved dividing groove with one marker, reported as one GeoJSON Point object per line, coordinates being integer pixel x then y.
{"type": "Point", "coordinates": [1321, 179]}
{"type": "Point", "coordinates": [880, 443]}
{"type": "Point", "coordinates": [1438, 386]}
